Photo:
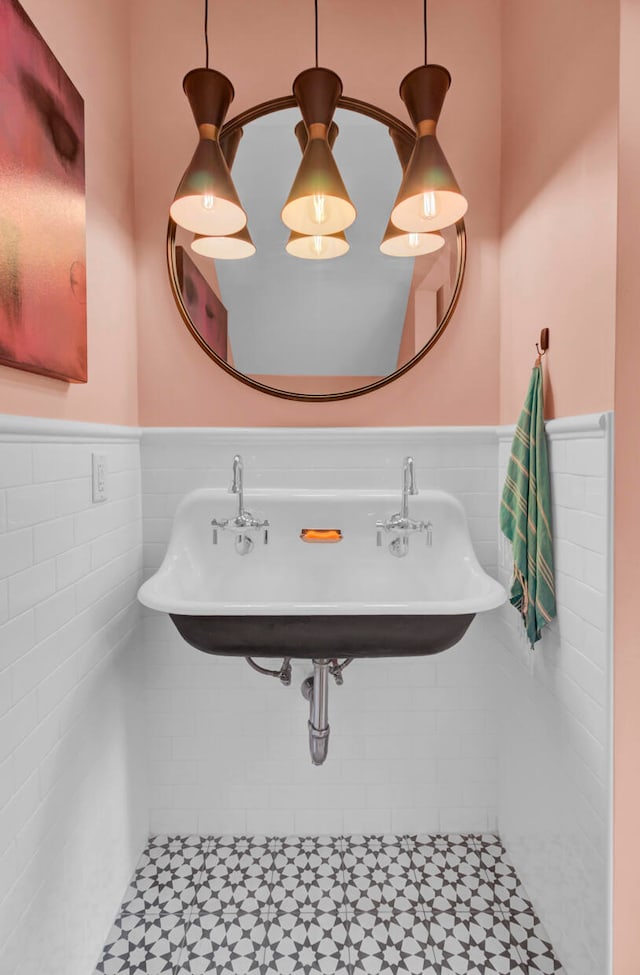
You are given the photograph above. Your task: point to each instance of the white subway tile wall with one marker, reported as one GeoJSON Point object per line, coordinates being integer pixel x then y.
{"type": "Point", "coordinates": [555, 791]}
{"type": "Point", "coordinates": [413, 742]}
{"type": "Point", "coordinates": [484, 736]}
{"type": "Point", "coordinates": [73, 812]}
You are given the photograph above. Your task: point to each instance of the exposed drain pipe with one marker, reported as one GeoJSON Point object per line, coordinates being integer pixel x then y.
{"type": "Point", "coordinates": [316, 691]}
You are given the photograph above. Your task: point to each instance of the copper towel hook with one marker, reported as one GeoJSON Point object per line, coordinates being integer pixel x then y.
{"type": "Point", "coordinates": [543, 345]}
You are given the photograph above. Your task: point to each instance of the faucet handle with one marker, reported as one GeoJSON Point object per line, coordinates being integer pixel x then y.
{"type": "Point", "coordinates": [215, 525]}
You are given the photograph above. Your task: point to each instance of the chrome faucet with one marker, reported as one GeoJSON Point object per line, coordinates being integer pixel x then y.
{"type": "Point", "coordinates": [244, 525]}
{"type": "Point", "coordinates": [408, 485]}
{"type": "Point", "coordinates": [400, 525]}
{"type": "Point", "coordinates": [237, 485]}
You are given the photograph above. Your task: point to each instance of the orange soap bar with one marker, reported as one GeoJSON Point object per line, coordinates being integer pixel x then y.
{"type": "Point", "coordinates": [322, 535]}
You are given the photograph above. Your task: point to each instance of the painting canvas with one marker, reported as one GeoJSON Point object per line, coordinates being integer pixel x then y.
{"type": "Point", "coordinates": [43, 313]}
{"type": "Point", "coordinates": [207, 312]}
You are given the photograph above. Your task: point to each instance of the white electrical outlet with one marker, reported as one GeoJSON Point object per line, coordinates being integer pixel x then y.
{"type": "Point", "coordinates": [99, 480]}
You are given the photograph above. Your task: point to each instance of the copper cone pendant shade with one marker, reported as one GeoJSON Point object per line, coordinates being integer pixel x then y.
{"type": "Point", "coordinates": [318, 203]}
{"type": "Point", "coordinates": [319, 247]}
{"type": "Point", "coordinates": [429, 197]}
{"type": "Point", "coordinates": [403, 243]}
{"type": "Point", "coordinates": [206, 201]}
{"type": "Point", "coordinates": [232, 247]}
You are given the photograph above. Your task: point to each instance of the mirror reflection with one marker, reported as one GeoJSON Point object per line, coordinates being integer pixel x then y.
{"type": "Point", "coordinates": [308, 326]}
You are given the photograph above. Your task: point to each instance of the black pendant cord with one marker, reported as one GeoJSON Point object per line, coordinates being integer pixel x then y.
{"type": "Point", "coordinates": [425, 31]}
{"type": "Point", "coordinates": [206, 30]}
{"type": "Point", "coordinates": [316, 9]}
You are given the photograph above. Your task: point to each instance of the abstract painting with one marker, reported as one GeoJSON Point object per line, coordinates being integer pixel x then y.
{"type": "Point", "coordinates": [43, 303]}
{"type": "Point", "coordinates": [208, 314]}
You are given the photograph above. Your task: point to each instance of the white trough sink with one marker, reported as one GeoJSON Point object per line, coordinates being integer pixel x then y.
{"type": "Point", "coordinates": [351, 597]}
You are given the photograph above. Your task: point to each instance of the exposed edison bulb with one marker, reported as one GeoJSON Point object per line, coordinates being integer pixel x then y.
{"type": "Point", "coordinates": [414, 240]}
{"type": "Point", "coordinates": [429, 208]}
{"type": "Point", "coordinates": [318, 245]}
{"type": "Point", "coordinates": [208, 201]}
{"type": "Point", "coordinates": [319, 203]}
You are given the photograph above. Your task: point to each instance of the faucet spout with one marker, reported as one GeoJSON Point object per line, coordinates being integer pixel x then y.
{"type": "Point", "coordinates": [237, 486]}
{"type": "Point", "coordinates": [409, 485]}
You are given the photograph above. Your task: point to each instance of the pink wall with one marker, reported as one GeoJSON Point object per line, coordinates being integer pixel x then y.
{"type": "Point", "coordinates": [262, 47]}
{"type": "Point", "coordinates": [559, 104]}
{"type": "Point", "coordinates": [92, 43]}
{"type": "Point", "coordinates": [559, 184]}
{"type": "Point", "coordinates": [627, 473]}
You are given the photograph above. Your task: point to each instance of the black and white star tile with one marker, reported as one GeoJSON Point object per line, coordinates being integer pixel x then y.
{"type": "Point", "coordinates": [379, 874]}
{"type": "Point", "coordinates": [451, 878]}
{"type": "Point", "coordinates": [143, 944]}
{"type": "Point", "coordinates": [484, 942]}
{"type": "Point", "coordinates": [307, 944]}
{"type": "Point", "coordinates": [164, 882]}
{"type": "Point", "coordinates": [356, 905]}
{"type": "Point", "coordinates": [236, 877]}
{"type": "Point", "coordinates": [388, 942]}
{"type": "Point", "coordinates": [308, 875]}
{"type": "Point", "coordinates": [233, 944]}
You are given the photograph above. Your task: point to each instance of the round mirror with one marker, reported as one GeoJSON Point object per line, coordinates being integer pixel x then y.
{"type": "Point", "coordinates": [316, 329]}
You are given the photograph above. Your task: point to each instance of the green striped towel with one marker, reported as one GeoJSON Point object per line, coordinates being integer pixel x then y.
{"type": "Point", "coordinates": [525, 515]}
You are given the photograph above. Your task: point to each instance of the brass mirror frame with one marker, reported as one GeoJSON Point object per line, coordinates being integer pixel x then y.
{"type": "Point", "coordinates": [390, 121]}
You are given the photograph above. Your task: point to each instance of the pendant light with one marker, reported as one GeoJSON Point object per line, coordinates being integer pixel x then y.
{"type": "Point", "coordinates": [403, 243]}
{"type": "Point", "coordinates": [232, 247]}
{"type": "Point", "coordinates": [206, 201]}
{"type": "Point", "coordinates": [318, 203]}
{"type": "Point", "coordinates": [429, 197]}
{"type": "Point", "coordinates": [318, 247]}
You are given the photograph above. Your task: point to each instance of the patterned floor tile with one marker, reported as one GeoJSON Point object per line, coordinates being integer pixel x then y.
{"type": "Point", "coordinates": [535, 947]}
{"type": "Point", "coordinates": [451, 879]}
{"type": "Point", "coordinates": [398, 943]}
{"type": "Point", "coordinates": [143, 945]}
{"type": "Point", "coordinates": [308, 843]}
{"type": "Point", "coordinates": [458, 842]}
{"type": "Point", "coordinates": [189, 847]}
{"type": "Point", "coordinates": [224, 846]}
{"type": "Point", "coordinates": [307, 875]}
{"type": "Point", "coordinates": [177, 841]}
{"type": "Point", "coordinates": [445, 904]}
{"type": "Point", "coordinates": [485, 841]}
{"type": "Point", "coordinates": [508, 892]}
{"type": "Point", "coordinates": [423, 851]}
{"type": "Point", "coordinates": [236, 876]}
{"type": "Point", "coordinates": [479, 943]}
{"type": "Point", "coordinates": [165, 883]}
{"type": "Point", "coordinates": [375, 842]}
{"type": "Point", "coordinates": [302, 944]}
{"type": "Point", "coordinates": [378, 874]}
{"type": "Point", "coordinates": [223, 945]}
{"type": "Point", "coordinates": [494, 858]}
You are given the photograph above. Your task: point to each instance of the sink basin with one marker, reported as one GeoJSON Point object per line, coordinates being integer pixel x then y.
{"type": "Point", "coordinates": [312, 599]}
